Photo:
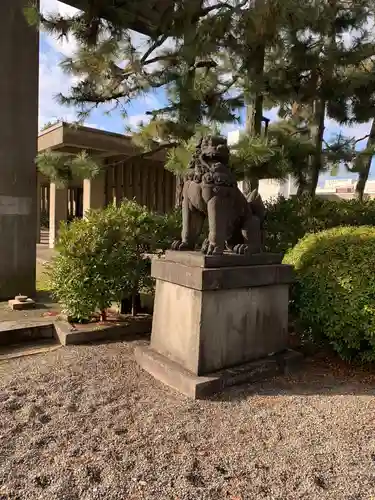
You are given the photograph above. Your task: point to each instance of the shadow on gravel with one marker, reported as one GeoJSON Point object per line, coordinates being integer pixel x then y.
{"type": "Point", "coordinates": [140, 338]}
{"type": "Point", "coordinates": [322, 374]}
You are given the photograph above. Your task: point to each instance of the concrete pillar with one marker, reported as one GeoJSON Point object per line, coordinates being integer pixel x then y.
{"type": "Point", "coordinates": [18, 148]}
{"type": "Point", "coordinates": [58, 211]}
{"type": "Point", "coordinates": [38, 202]}
{"type": "Point", "coordinates": [94, 193]}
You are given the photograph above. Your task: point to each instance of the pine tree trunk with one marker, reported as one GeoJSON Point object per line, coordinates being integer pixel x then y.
{"type": "Point", "coordinates": [365, 166]}
{"type": "Point", "coordinates": [179, 191]}
{"type": "Point", "coordinates": [254, 115]}
{"type": "Point", "coordinates": [302, 187]}
{"type": "Point", "coordinates": [134, 301]}
{"type": "Point", "coordinates": [300, 190]}
{"type": "Point", "coordinates": [317, 137]}
{"type": "Point", "coordinates": [254, 184]}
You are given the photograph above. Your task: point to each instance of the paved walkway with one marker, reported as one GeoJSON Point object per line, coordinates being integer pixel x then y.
{"type": "Point", "coordinates": [44, 253]}
{"type": "Point", "coordinates": [45, 309]}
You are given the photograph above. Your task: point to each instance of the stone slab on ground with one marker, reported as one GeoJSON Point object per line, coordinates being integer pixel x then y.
{"type": "Point", "coordinates": [69, 334]}
{"type": "Point", "coordinates": [44, 308]}
{"type": "Point", "coordinates": [38, 324]}
{"type": "Point", "coordinates": [33, 325]}
{"type": "Point", "coordinates": [200, 387]}
{"type": "Point", "coordinates": [15, 332]}
{"type": "Point", "coordinates": [21, 305]}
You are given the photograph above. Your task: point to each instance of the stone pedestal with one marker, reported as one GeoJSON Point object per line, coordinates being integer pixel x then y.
{"type": "Point", "coordinates": [218, 320]}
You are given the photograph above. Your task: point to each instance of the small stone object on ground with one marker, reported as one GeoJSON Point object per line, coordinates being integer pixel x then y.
{"type": "Point", "coordinates": [21, 302]}
{"type": "Point", "coordinates": [21, 298]}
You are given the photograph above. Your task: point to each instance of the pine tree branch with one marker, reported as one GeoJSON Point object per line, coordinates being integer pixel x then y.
{"type": "Point", "coordinates": [153, 47]}
{"type": "Point", "coordinates": [218, 6]}
{"type": "Point", "coordinates": [161, 147]}
{"type": "Point", "coordinates": [349, 142]}
{"type": "Point", "coordinates": [144, 154]}
{"type": "Point", "coordinates": [91, 98]}
{"type": "Point", "coordinates": [362, 138]}
{"type": "Point", "coordinates": [160, 58]}
{"type": "Point", "coordinates": [159, 111]}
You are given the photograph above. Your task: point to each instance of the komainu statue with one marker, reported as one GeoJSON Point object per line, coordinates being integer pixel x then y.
{"type": "Point", "coordinates": [210, 190]}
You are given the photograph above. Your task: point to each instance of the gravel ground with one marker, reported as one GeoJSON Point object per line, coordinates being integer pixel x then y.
{"type": "Point", "coordinates": [85, 423]}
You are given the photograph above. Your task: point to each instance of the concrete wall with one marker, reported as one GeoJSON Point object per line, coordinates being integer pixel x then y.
{"type": "Point", "coordinates": [18, 146]}
{"type": "Point", "coordinates": [142, 179]}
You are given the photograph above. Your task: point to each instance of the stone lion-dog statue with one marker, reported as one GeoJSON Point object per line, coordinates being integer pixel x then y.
{"type": "Point", "coordinates": [210, 191]}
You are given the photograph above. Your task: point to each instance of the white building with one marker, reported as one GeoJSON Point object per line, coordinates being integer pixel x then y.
{"type": "Point", "coordinates": [271, 188]}
{"type": "Point", "coordinates": [268, 188]}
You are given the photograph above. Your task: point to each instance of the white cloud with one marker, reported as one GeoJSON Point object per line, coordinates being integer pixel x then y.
{"type": "Point", "coordinates": [54, 81]}
{"type": "Point", "coordinates": [54, 6]}
{"type": "Point", "coordinates": [66, 46]}
{"type": "Point", "coordinates": [51, 82]}
{"type": "Point", "coordinates": [134, 121]}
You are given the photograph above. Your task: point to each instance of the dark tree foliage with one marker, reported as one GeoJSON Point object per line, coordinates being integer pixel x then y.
{"type": "Point", "coordinates": [311, 58]}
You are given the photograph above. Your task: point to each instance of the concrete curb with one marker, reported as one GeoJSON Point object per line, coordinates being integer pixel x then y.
{"type": "Point", "coordinates": [17, 333]}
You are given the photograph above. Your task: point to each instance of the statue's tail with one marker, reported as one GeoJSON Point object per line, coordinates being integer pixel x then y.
{"type": "Point", "coordinates": [256, 204]}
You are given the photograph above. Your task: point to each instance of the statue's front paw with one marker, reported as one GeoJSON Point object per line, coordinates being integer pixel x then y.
{"type": "Point", "coordinates": [214, 249]}
{"type": "Point", "coordinates": [241, 249]}
{"type": "Point", "coordinates": [180, 245]}
{"type": "Point", "coordinates": [176, 244]}
{"type": "Point", "coordinates": [205, 246]}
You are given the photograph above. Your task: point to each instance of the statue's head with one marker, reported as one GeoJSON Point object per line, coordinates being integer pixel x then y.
{"type": "Point", "coordinates": [215, 148]}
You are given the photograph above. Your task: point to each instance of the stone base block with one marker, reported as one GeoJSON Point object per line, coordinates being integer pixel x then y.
{"type": "Point", "coordinates": [218, 321]}
{"type": "Point", "coordinates": [200, 387]}
{"type": "Point", "coordinates": [18, 305]}
{"type": "Point", "coordinates": [210, 318]}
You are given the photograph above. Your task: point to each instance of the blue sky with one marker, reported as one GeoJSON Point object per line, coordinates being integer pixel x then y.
{"type": "Point", "coordinates": [52, 81]}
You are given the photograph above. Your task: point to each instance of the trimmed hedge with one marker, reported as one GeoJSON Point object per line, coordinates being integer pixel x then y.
{"type": "Point", "coordinates": [288, 220]}
{"type": "Point", "coordinates": [102, 260]}
{"type": "Point", "coordinates": [334, 296]}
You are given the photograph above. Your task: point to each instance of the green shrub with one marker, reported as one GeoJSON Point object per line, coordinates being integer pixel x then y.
{"type": "Point", "coordinates": [334, 295]}
{"type": "Point", "coordinates": [101, 258]}
{"type": "Point", "coordinates": [168, 228]}
{"type": "Point", "coordinates": [288, 220]}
